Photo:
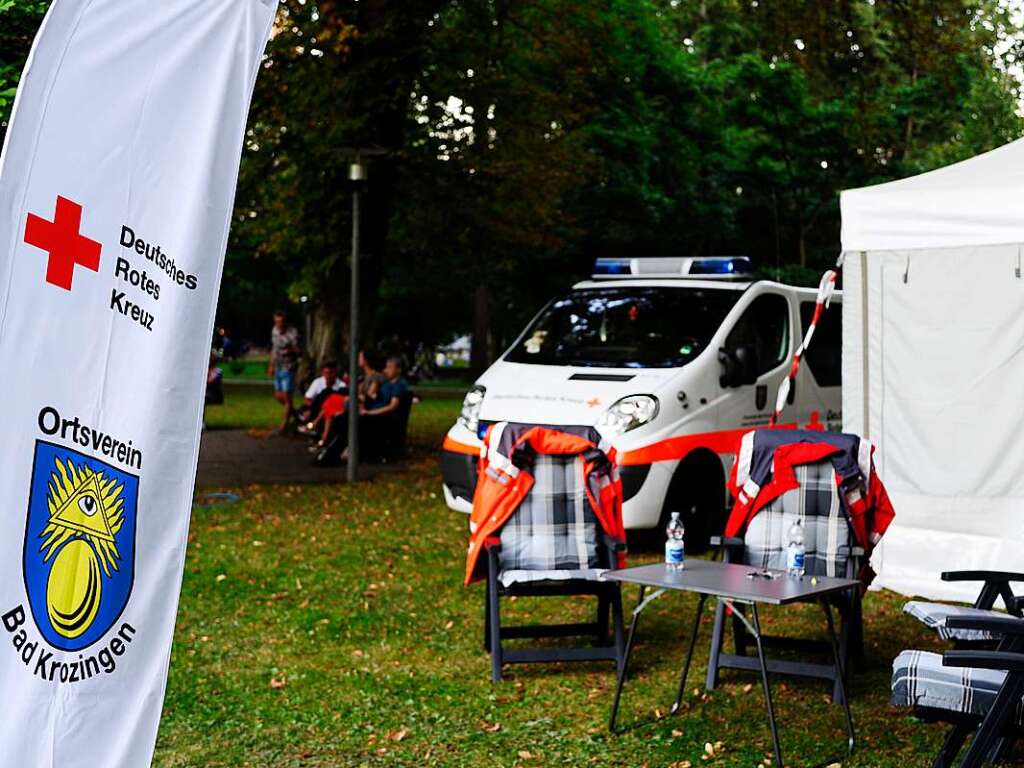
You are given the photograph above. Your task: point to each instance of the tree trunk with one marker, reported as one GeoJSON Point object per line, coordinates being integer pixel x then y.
{"type": "Point", "coordinates": [480, 349]}
{"type": "Point", "coordinates": [326, 343]}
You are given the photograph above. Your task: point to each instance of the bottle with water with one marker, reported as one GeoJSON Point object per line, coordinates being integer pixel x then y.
{"type": "Point", "coordinates": [674, 552]}
{"type": "Point", "coordinates": [795, 552]}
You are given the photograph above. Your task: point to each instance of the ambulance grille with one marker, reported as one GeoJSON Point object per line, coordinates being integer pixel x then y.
{"type": "Point", "coordinates": [601, 377]}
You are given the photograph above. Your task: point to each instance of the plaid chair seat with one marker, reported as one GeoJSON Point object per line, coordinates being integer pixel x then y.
{"type": "Point", "coordinates": [553, 535]}
{"type": "Point", "coordinates": [934, 615]}
{"type": "Point", "coordinates": [828, 539]}
{"type": "Point", "coordinates": [920, 680]}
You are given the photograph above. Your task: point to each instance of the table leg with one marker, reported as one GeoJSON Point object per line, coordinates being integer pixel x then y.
{"type": "Point", "coordinates": [689, 654]}
{"type": "Point", "coordinates": [840, 672]}
{"type": "Point", "coordinates": [625, 661]}
{"type": "Point", "coordinates": [767, 688]}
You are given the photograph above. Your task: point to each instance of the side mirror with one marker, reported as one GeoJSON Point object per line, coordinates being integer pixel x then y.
{"type": "Point", "coordinates": [739, 366]}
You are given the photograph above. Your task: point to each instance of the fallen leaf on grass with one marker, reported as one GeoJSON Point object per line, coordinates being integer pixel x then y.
{"type": "Point", "coordinates": [748, 687]}
{"type": "Point", "coordinates": [490, 727]}
{"type": "Point", "coordinates": [681, 764]}
{"type": "Point", "coordinates": [523, 754]}
{"type": "Point", "coordinates": [676, 733]}
{"type": "Point", "coordinates": [278, 682]}
{"type": "Point", "coordinates": [449, 625]}
{"type": "Point", "coordinates": [398, 735]}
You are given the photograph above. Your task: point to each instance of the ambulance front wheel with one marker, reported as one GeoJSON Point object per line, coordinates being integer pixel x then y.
{"type": "Point", "coordinates": [697, 491]}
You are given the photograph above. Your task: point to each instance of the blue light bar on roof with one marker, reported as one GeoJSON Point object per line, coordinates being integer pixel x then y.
{"type": "Point", "coordinates": [674, 266]}
{"type": "Point", "coordinates": [612, 267]}
{"type": "Point", "coordinates": [721, 265]}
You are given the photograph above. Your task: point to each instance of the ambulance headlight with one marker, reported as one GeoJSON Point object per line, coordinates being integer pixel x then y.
{"type": "Point", "coordinates": [628, 413]}
{"type": "Point", "coordinates": [469, 417]}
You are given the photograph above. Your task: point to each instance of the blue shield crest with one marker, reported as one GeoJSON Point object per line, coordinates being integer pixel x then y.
{"type": "Point", "coordinates": [79, 555]}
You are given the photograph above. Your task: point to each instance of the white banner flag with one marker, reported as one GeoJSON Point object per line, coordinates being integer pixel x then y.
{"type": "Point", "coordinates": [116, 189]}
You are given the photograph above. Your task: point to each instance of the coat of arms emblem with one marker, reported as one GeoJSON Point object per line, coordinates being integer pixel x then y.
{"type": "Point", "coordinates": [79, 556]}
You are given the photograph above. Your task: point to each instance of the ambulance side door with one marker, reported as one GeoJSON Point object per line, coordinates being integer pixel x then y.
{"type": "Point", "coordinates": [819, 394]}
{"type": "Point", "coordinates": [753, 361]}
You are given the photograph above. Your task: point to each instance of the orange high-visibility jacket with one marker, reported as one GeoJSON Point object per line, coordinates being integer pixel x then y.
{"type": "Point", "coordinates": [505, 479]}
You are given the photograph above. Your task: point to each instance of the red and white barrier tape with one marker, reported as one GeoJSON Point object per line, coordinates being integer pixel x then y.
{"type": "Point", "coordinates": [826, 288]}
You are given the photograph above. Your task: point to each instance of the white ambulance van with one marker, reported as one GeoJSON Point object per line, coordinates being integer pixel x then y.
{"type": "Point", "coordinates": [672, 360]}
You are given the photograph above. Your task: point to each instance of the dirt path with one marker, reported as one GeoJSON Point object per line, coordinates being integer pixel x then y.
{"type": "Point", "coordinates": [232, 458]}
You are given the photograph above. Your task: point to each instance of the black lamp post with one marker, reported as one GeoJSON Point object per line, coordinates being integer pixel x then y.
{"type": "Point", "coordinates": [357, 176]}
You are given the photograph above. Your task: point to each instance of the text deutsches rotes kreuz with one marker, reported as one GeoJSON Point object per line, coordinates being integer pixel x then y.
{"type": "Point", "coordinates": [138, 285]}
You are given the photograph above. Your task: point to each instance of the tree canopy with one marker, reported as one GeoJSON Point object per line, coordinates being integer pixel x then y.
{"type": "Point", "coordinates": [526, 137]}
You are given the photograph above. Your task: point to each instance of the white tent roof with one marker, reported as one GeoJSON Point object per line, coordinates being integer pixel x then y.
{"type": "Point", "coordinates": [979, 201]}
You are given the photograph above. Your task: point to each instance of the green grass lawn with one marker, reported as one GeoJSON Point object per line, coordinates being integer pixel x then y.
{"type": "Point", "coordinates": [328, 626]}
{"type": "Point", "coordinates": [254, 369]}
{"type": "Point", "coordinates": [249, 368]}
{"type": "Point", "coordinates": [251, 407]}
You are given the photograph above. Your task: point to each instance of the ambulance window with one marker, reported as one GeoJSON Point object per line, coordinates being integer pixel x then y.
{"type": "Point", "coordinates": [825, 355]}
{"type": "Point", "coordinates": [618, 327]}
{"type": "Point", "coordinates": [764, 327]}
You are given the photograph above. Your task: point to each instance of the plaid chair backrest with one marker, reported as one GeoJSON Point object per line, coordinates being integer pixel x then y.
{"type": "Point", "coordinates": [827, 535]}
{"type": "Point", "coordinates": [555, 527]}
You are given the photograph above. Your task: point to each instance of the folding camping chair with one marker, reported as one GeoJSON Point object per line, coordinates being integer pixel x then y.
{"type": "Point", "coordinates": [830, 551]}
{"type": "Point", "coordinates": [553, 544]}
{"type": "Point", "coordinates": [995, 585]}
{"type": "Point", "coordinates": [976, 691]}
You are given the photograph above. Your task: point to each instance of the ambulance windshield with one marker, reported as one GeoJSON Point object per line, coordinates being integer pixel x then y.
{"type": "Point", "coordinates": [628, 327]}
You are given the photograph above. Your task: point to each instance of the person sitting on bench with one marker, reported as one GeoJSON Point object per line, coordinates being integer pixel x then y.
{"type": "Point", "coordinates": [385, 419]}
{"type": "Point", "coordinates": [323, 388]}
{"type": "Point", "coordinates": [334, 440]}
{"type": "Point", "coordinates": [391, 391]}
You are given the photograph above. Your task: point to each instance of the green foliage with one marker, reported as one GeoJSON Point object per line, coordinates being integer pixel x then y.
{"type": "Point", "coordinates": [646, 128]}
{"type": "Point", "coordinates": [19, 20]}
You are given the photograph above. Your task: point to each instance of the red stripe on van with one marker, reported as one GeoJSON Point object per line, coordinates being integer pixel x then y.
{"type": "Point", "coordinates": [675, 448]}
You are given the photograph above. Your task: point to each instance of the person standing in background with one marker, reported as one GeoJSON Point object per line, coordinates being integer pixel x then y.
{"type": "Point", "coordinates": [284, 359]}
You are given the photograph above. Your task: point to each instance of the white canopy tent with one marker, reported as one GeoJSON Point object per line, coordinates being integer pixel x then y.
{"type": "Point", "coordinates": [933, 364]}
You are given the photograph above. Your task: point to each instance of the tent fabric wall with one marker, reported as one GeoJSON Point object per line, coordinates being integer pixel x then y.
{"type": "Point", "coordinates": [933, 365]}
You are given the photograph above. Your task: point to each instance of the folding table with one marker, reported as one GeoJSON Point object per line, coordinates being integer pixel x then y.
{"type": "Point", "coordinates": [731, 584]}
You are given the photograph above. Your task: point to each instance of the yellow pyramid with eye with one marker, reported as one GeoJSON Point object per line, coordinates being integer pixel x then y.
{"type": "Point", "coordinates": [84, 512]}
{"type": "Point", "coordinates": [87, 504]}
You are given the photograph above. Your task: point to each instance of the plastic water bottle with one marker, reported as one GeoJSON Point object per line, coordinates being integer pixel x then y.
{"type": "Point", "coordinates": [674, 551]}
{"type": "Point", "coordinates": [795, 552]}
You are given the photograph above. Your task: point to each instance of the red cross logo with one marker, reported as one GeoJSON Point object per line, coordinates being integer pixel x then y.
{"type": "Point", "coordinates": [61, 239]}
